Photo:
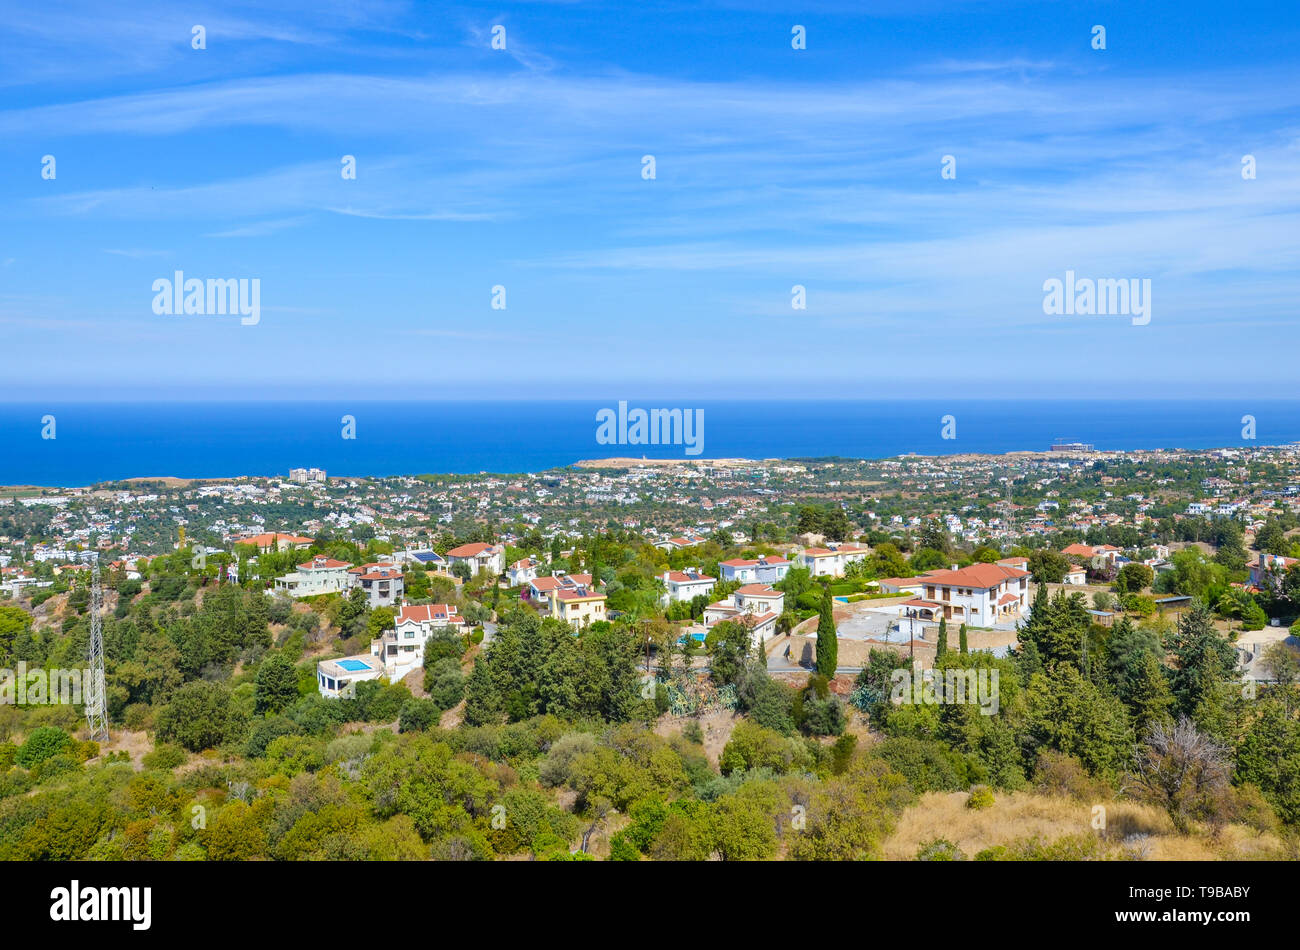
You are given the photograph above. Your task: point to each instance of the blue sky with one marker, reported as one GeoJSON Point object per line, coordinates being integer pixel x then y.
{"type": "Point", "coordinates": [775, 167]}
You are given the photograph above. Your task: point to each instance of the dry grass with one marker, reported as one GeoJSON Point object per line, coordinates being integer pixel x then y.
{"type": "Point", "coordinates": [1023, 815]}
{"type": "Point", "coordinates": [716, 726]}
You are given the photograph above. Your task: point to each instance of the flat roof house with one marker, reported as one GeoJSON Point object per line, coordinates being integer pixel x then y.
{"type": "Point", "coordinates": [335, 677]}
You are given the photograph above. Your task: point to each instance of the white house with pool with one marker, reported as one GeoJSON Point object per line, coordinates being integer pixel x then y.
{"type": "Point", "coordinates": [335, 677]}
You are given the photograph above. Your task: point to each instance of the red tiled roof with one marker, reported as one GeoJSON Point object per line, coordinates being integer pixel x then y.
{"type": "Point", "coordinates": [469, 550]}
{"type": "Point", "coordinates": [430, 613]}
{"type": "Point", "coordinates": [979, 576]}
{"type": "Point", "coordinates": [681, 577]}
{"type": "Point", "coordinates": [322, 562]}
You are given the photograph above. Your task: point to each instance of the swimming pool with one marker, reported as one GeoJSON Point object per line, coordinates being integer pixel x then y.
{"type": "Point", "coordinates": [354, 666]}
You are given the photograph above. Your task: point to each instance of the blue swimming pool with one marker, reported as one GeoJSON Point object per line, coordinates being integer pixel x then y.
{"type": "Point", "coordinates": [354, 666]}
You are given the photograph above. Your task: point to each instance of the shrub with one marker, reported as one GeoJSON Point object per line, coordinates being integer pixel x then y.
{"type": "Point", "coordinates": [418, 715]}
{"type": "Point", "coordinates": [940, 849]}
{"type": "Point", "coordinates": [164, 756]}
{"type": "Point", "coordinates": [981, 796]}
{"type": "Point", "coordinates": [42, 744]}
{"type": "Point", "coordinates": [556, 768]}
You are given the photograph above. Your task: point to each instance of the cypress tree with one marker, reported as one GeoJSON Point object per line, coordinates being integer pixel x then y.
{"type": "Point", "coordinates": [827, 645]}
{"type": "Point", "coordinates": [961, 635]}
{"type": "Point", "coordinates": [943, 639]}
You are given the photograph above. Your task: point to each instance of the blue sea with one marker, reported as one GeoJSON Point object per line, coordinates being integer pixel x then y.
{"type": "Point", "coordinates": [95, 442]}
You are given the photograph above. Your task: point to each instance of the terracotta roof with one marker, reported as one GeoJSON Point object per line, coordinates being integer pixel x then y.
{"type": "Point", "coordinates": [980, 576]}
{"type": "Point", "coordinates": [429, 613]}
{"type": "Point", "coordinates": [318, 563]}
{"type": "Point", "coordinates": [469, 550]}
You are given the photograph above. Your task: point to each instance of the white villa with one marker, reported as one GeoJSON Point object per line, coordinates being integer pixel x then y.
{"type": "Point", "coordinates": [521, 572]}
{"type": "Point", "coordinates": [685, 585]}
{"type": "Point", "coordinates": [402, 648]}
{"type": "Point", "coordinates": [832, 559]}
{"type": "Point", "coordinates": [756, 605]}
{"type": "Point", "coordinates": [765, 569]}
{"type": "Point", "coordinates": [320, 575]}
{"type": "Point", "coordinates": [334, 677]}
{"type": "Point", "coordinates": [982, 594]}
{"type": "Point", "coordinates": [479, 557]}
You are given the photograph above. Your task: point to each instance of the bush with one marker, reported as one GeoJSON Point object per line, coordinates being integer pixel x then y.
{"type": "Point", "coordinates": [266, 732]}
{"type": "Point", "coordinates": [418, 715]}
{"type": "Point", "coordinates": [556, 768]}
{"type": "Point", "coordinates": [940, 849]}
{"type": "Point", "coordinates": [55, 765]}
{"type": "Point", "coordinates": [445, 683]}
{"type": "Point", "coordinates": [927, 764]}
{"type": "Point", "coordinates": [138, 716]}
{"type": "Point", "coordinates": [43, 743]}
{"type": "Point", "coordinates": [164, 756]}
{"type": "Point", "coordinates": [1056, 773]}
{"type": "Point", "coordinates": [620, 849]}
{"type": "Point", "coordinates": [981, 796]}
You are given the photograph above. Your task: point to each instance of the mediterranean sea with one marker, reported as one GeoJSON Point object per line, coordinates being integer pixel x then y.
{"type": "Point", "coordinates": [102, 441]}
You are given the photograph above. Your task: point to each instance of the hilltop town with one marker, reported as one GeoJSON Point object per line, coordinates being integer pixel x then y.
{"type": "Point", "coordinates": [1056, 618]}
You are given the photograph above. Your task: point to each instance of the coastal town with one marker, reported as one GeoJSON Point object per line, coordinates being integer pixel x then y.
{"type": "Point", "coordinates": [1079, 515]}
{"type": "Point", "coordinates": [1082, 601]}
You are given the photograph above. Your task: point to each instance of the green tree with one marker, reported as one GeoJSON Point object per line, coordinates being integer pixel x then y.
{"type": "Point", "coordinates": [276, 685]}
{"type": "Point", "coordinates": [200, 716]}
{"type": "Point", "coordinates": [1203, 660]}
{"type": "Point", "coordinates": [942, 647]}
{"type": "Point", "coordinates": [828, 648]}
{"type": "Point", "coordinates": [963, 645]}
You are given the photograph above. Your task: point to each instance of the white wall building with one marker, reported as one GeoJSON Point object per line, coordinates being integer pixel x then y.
{"type": "Point", "coordinates": [320, 575]}
{"type": "Point", "coordinates": [685, 585]}
{"type": "Point", "coordinates": [832, 559]}
{"type": "Point", "coordinates": [765, 569]}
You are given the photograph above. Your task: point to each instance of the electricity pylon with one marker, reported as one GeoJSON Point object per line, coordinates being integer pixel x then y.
{"type": "Point", "coordinates": [96, 698]}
